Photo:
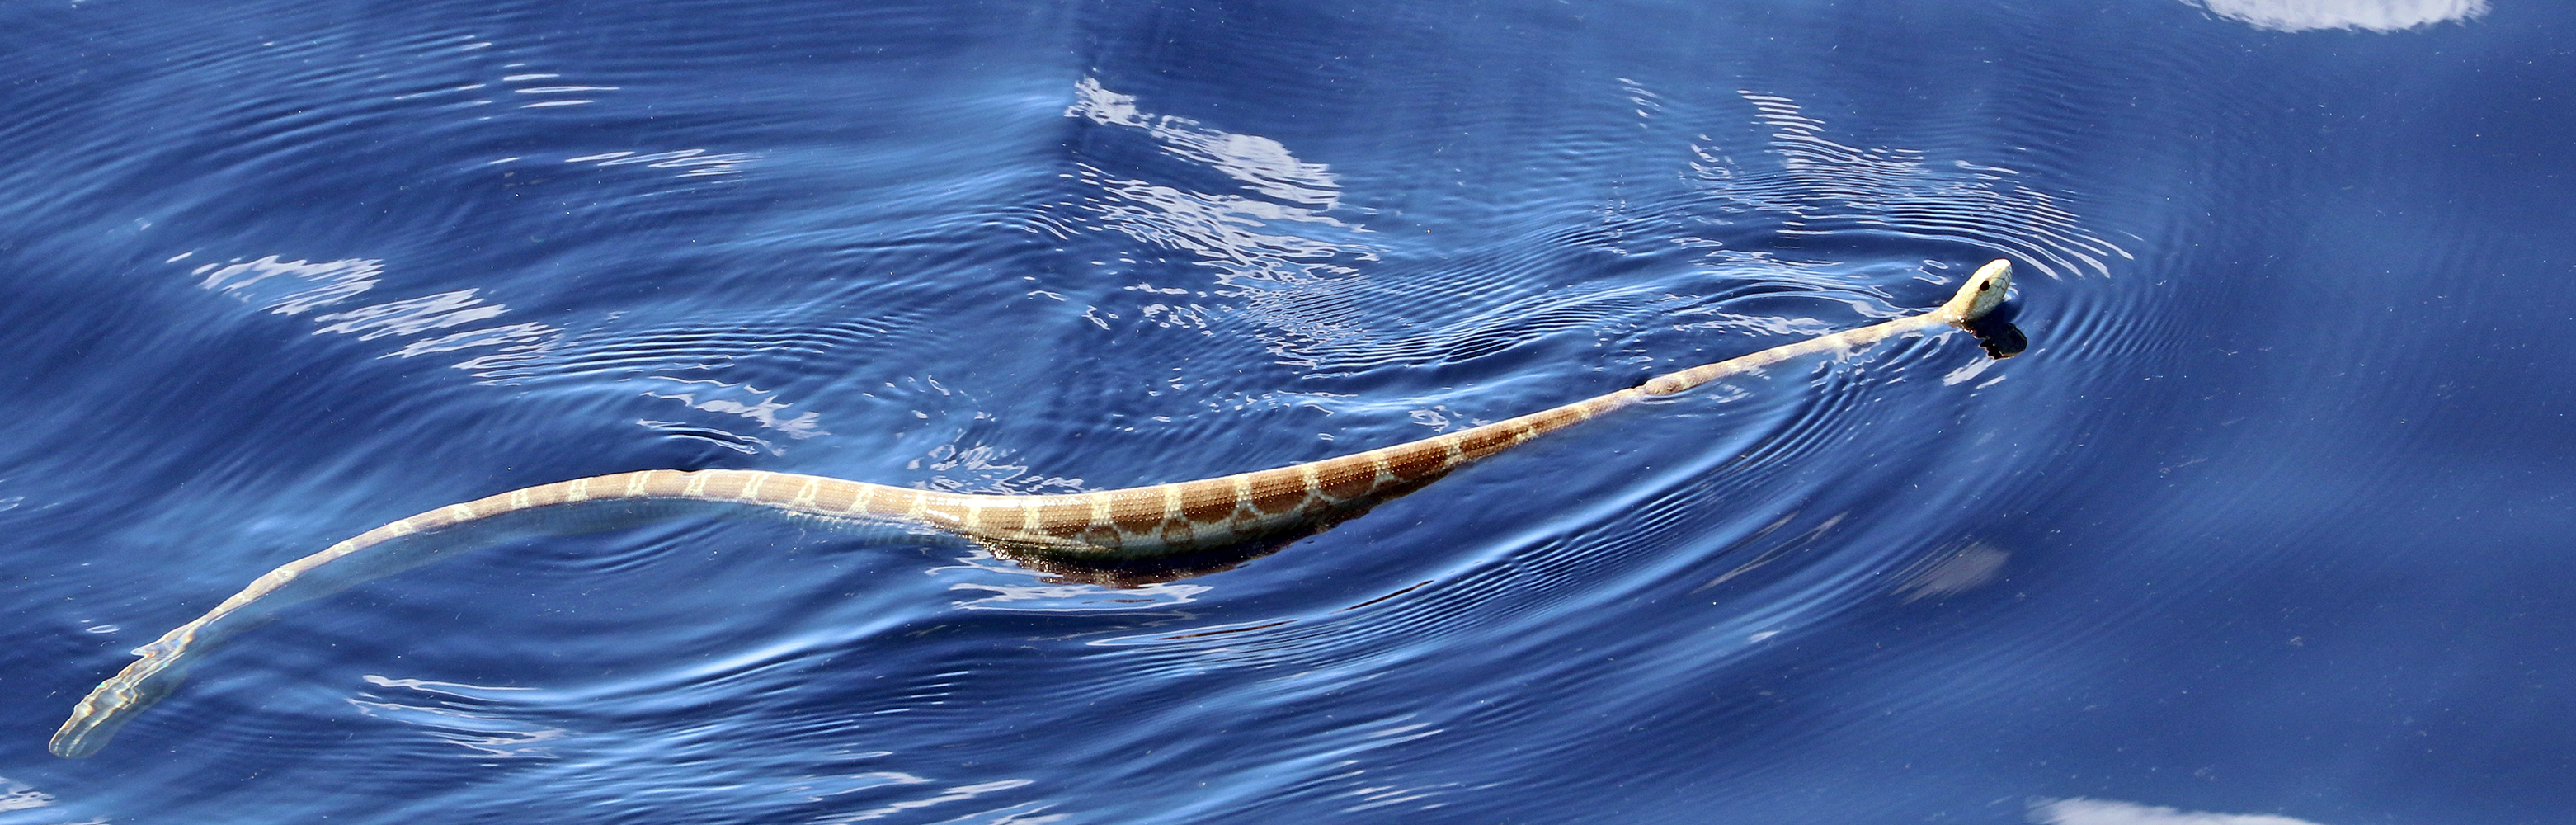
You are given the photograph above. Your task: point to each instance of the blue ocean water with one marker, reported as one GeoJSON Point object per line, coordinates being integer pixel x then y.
{"type": "Point", "coordinates": [2268, 521]}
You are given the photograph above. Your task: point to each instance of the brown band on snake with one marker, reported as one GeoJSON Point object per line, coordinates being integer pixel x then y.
{"type": "Point", "coordinates": [1047, 530]}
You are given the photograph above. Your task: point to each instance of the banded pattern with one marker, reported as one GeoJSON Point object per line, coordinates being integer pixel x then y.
{"type": "Point", "coordinates": [1106, 526]}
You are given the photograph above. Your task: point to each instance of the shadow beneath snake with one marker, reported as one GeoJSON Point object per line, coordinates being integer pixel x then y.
{"type": "Point", "coordinates": [1996, 333]}
{"type": "Point", "coordinates": [1146, 571]}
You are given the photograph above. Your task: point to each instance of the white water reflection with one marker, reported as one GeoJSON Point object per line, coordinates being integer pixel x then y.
{"type": "Point", "coordinates": [1822, 186]}
{"type": "Point", "coordinates": [1223, 231]}
{"type": "Point", "coordinates": [1069, 597]}
{"type": "Point", "coordinates": [1261, 163]}
{"type": "Point", "coordinates": [2371, 15]}
{"type": "Point", "coordinates": [461, 715]}
{"type": "Point", "coordinates": [410, 316]}
{"type": "Point", "coordinates": [761, 406]}
{"type": "Point", "coordinates": [2080, 811]}
{"type": "Point", "coordinates": [1949, 574]}
{"type": "Point", "coordinates": [1280, 258]}
{"type": "Point", "coordinates": [290, 287]}
{"type": "Point", "coordinates": [19, 796]}
{"type": "Point", "coordinates": [694, 162]}
{"type": "Point", "coordinates": [1020, 814]}
{"type": "Point", "coordinates": [285, 287]}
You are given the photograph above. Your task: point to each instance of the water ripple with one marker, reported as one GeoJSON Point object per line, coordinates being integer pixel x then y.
{"type": "Point", "coordinates": [1821, 186]}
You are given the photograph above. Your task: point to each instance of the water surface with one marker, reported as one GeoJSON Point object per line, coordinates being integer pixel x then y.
{"type": "Point", "coordinates": [2268, 520]}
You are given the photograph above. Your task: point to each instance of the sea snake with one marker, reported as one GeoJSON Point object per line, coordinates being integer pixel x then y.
{"type": "Point", "coordinates": [1106, 527]}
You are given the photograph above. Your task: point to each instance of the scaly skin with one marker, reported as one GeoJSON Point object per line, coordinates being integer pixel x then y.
{"type": "Point", "coordinates": [1110, 526]}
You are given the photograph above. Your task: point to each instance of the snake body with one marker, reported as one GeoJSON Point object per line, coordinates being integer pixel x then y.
{"type": "Point", "coordinates": [1105, 527]}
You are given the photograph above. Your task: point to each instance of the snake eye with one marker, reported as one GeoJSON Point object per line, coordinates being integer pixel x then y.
{"type": "Point", "coordinates": [1985, 286]}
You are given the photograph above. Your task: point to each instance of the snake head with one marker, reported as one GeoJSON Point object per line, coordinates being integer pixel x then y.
{"type": "Point", "coordinates": [1981, 294]}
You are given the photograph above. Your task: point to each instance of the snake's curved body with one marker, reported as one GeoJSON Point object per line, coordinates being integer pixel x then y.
{"type": "Point", "coordinates": [1109, 526]}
